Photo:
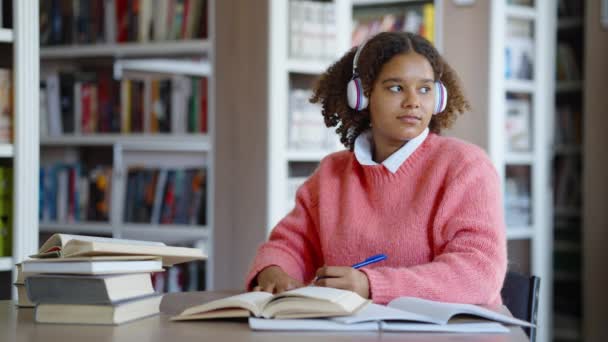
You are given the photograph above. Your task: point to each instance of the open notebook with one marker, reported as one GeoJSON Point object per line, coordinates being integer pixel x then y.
{"type": "Point", "coordinates": [404, 314]}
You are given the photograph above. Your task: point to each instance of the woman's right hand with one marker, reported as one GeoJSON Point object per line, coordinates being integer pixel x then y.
{"type": "Point", "coordinates": [274, 280]}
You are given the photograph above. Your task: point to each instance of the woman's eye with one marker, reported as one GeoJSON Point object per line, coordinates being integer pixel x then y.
{"type": "Point", "coordinates": [395, 88]}
{"type": "Point", "coordinates": [425, 90]}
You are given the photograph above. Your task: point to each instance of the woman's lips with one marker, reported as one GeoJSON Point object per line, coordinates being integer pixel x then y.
{"type": "Point", "coordinates": [409, 119]}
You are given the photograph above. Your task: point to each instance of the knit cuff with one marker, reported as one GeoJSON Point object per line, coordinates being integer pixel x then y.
{"type": "Point", "coordinates": [379, 286]}
{"type": "Point", "coordinates": [264, 260]}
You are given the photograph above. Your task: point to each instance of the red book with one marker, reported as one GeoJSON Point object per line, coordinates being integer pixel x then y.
{"type": "Point", "coordinates": [203, 105]}
{"type": "Point", "coordinates": [187, 14]}
{"type": "Point", "coordinates": [122, 20]}
{"type": "Point", "coordinates": [85, 101]}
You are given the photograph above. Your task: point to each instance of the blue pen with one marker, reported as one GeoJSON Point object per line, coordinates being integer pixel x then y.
{"type": "Point", "coordinates": [370, 260]}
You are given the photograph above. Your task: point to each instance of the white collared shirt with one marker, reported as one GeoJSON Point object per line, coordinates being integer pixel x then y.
{"type": "Point", "coordinates": [363, 150]}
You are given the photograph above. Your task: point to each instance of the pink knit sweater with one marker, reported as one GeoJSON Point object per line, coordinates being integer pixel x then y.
{"type": "Point", "coordinates": [439, 219]}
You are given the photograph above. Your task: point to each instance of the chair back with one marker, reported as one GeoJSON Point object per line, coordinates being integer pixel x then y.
{"type": "Point", "coordinates": [520, 295]}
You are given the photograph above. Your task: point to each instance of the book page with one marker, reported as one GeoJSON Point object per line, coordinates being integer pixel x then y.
{"type": "Point", "coordinates": [376, 312]}
{"type": "Point", "coordinates": [252, 301]}
{"type": "Point", "coordinates": [327, 294]}
{"type": "Point", "coordinates": [60, 240]}
{"type": "Point", "coordinates": [313, 301]}
{"type": "Point", "coordinates": [308, 325]}
{"type": "Point", "coordinates": [442, 312]}
{"type": "Point", "coordinates": [480, 327]}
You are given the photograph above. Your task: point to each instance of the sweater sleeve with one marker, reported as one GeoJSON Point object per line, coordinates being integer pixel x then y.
{"type": "Point", "coordinates": [294, 243]}
{"type": "Point", "coordinates": [469, 243]}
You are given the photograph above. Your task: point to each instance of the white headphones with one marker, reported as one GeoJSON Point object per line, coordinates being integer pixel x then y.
{"type": "Point", "coordinates": [358, 101]}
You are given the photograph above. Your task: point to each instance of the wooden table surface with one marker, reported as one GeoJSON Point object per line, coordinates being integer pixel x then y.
{"type": "Point", "coordinates": [16, 324]}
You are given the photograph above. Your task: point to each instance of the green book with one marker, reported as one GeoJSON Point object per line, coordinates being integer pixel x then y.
{"type": "Point", "coordinates": [6, 186]}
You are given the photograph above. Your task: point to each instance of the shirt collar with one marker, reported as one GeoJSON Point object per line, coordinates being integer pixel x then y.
{"type": "Point", "coordinates": [363, 150]}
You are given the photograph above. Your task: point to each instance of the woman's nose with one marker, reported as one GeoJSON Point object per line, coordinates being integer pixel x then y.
{"type": "Point", "coordinates": [410, 99]}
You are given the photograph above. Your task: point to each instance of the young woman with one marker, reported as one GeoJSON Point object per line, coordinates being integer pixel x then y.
{"type": "Point", "coordinates": [432, 204]}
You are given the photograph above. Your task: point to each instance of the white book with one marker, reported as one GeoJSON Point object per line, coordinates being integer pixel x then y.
{"type": "Point", "coordinates": [53, 105]}
{"type": "Point", "coordinates": [295, 28]}
{"type": "Point", "coordinates": [181, 90]}
{"type": "Point", "coordinates": [404, 314]}
{"type": "Point", "coordinates": [332, 325]}
{"type": "Point", "coordinates": [160, 13]}
{"type": "Point", "coordinates": [93, 265]}
{"type": "Point", "coordinates": [147, 104]}
{"type": "Point", "coordinates": [109, 7]}
{"type": "Point", "coordinates": [145, 21]}
{"type": "Point", "coordinates": [78, 108]}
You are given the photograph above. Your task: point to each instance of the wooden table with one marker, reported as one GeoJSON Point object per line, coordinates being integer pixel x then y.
{"type": "Point", "coordinates": [16, 324]}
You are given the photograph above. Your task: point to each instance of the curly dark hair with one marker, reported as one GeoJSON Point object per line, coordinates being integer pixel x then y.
{"type": "Point", "coordinates": [330, 89]}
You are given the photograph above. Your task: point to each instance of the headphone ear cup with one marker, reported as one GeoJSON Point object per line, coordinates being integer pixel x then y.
{"type": "Point", "coordinates": [354, 93]}
{"type": "Point", "coordinates": [441, 98]}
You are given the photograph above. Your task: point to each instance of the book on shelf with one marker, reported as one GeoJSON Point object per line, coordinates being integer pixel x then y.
{"type": "Point", "coordinates": [121, 21]}
{"type": "Point", "coordinates": [117, 313]}
{"type": "Point", "coordinates": [96, 289]}
{"type": "Point", "coordinates": [72, 192]}
{"type": "Point", "coordinates": [311, 301]}
{"type": "Point", "coordinates": [69, 246]}
{"type": "Point", "coordinates": [312, 30]}
{"type": "Point", "coordinates": [180, 278]}
{"type": "Point", "coordinates": [6, 14]}
{"type": "Point", "coordinates": [6, 211]}
{"type": "Point", "coordinates": [570, 8]}
{"type": "Point", "coordinates": [405, 314]}
{"type": "Point", "coordinates": [307, 128]}
{"type": "Point", "coordinates": [568, 126]}
{"type": "Point", "coordinates": [371, 20]}
{"type": "Point", "coordinates": [519, 58]}
{"type": "Point", "coordinates": [166, 196]}
{"type": "Point", "coordinates": [89, 101]}
{"type": "Point", "coordinates": [517, 123]}
{"type": "Point", "coordinates": [517, 199]}
{"type": "Point", "coordinates": [567, 182]}
{"type": "Point", "coordinates": [6, 106]}
{"type": "Point", "coordinates": [567, 67]}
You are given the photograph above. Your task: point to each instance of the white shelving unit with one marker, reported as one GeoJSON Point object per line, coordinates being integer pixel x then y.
{"type": "Point", "coordinates": [199, 142]}
{"type": "Point", "coordinates": [193, 57]}
{"type": "Point", "coordinates": [283, 69]}
{"type": "Point", "coordinates": [194, 47]}
{"type": "Point", "coordinates": [540, 89]}
{"type": "Point", "coordinates": [24, 150]}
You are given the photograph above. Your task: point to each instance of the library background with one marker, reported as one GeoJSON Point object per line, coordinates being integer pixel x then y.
{"type": "Point", "coordinates": [167, 121]}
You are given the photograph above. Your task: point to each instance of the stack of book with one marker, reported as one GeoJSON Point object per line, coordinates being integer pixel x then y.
{"type": "Point", "coordinates": [90, 280]}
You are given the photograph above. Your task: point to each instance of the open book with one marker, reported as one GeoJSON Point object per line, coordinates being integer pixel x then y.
{"type": "Point", "coordinates": [405, 314]}
{"type": "Point", "coordinates": [303, 302]}
{"type": "Point", "coordinates": [68, 246]}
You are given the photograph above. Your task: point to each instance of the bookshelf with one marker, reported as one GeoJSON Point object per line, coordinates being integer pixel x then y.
{"type": "Point", "coordinates": [520, 91]}
{"type": "Point", "coordinates": [22, 154]}
{"type": "Point", "coordinates": [167, 159]}
{"type": "Point", "coordinates": [293, 157]}
{"type": "Point", "coordinates": [568, 161]}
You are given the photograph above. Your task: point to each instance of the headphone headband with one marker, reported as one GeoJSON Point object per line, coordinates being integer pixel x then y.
{"type": "Point", "coordinates": [356, 58]}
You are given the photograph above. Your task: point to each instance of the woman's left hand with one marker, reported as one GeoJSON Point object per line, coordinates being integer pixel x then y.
{"type": "Point", "coordinates": [343, 277]}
